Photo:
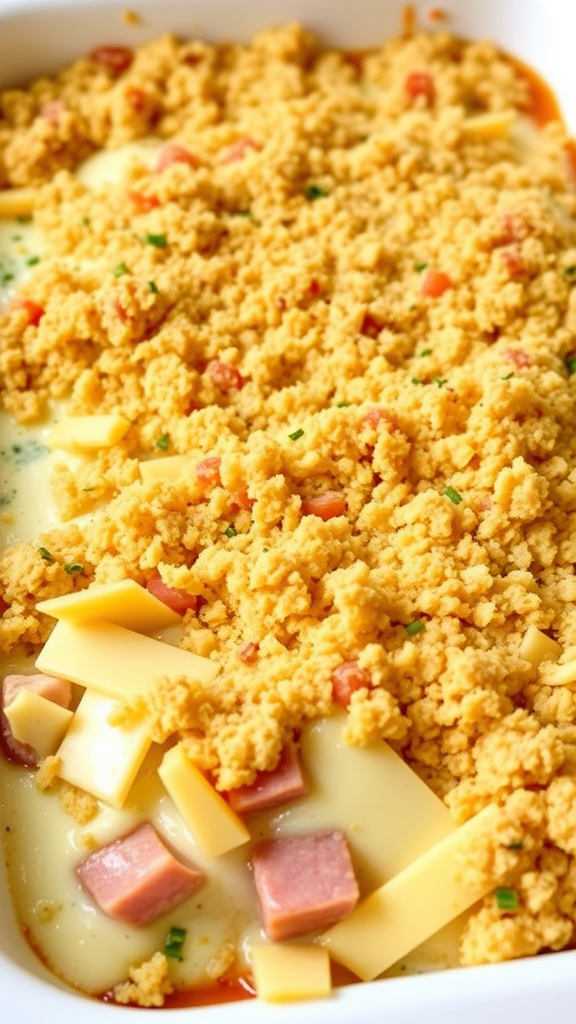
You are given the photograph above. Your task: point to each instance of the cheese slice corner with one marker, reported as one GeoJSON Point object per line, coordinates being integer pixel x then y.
{"type": "Point", "coordinates": [76, 434]}
{"type": "Point", "coordinates": [286, 971]}
{"type": "Point", "coordinates": [123, 603]}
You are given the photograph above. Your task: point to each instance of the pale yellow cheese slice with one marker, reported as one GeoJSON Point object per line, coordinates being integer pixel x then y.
{"type": "Point", "coordinates": [213, 824]}
{"type": "Point", "coordinates": [494, 124]}
{"type": "Point", "coordinates": [117, 662]}
{"type": "Point", "coordinates": [536, 647]}
{"type": "Point", "coordinates": [37, 721]}
{"type": "Point", "coordinates": [124, 603]}
{"type": "Point", "coordinates": [98, 756]}
{"type": "Point", "coordinates": [283, 972]}
{"type": "Point", "coordinates": [76, 434]}
{"type": "Point", "coordinates": [410, 907]}
{"type": "Point", "coordinates": [17, 202]}
{"type": "Point", "coordinates": [168, 468]}
{"type": "Point", "coordinates": [561, 675]}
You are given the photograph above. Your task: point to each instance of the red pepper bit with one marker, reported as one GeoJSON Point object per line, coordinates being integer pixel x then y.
{"type": "Point", "coordinates": [240, 149]}
{"type": "Point", "coordinates": [325, 506]}
{"type": "Point", "coordinates": [32, 309]}
{"type": "Point", "coordinates": [375, 416]}
{"type": "Point", "coordinates": [114, 59]}
{"type": "Point", "coordinates": [208, 471]}
{"type": "Point", "coordinates": [52, 112]}
{"type": "Point", "coordinates": [142, 202]}
{"type": "Point", "coordinates": [419, 83]}
{"type": "Point", "coordinates": [225, 377]}
{"type": "Point", "coordinates": [136, 99]}
{"type": "Point", "coordinates": [513, 262]}
{"type": "Point", "coordinates": [518, 357]}
{"type": "Point", "coordinates": [347, 678]}
{"type": "Point", "coordinates": [435, 283]}
{"type": "Point", "coordinates": [174, 153]}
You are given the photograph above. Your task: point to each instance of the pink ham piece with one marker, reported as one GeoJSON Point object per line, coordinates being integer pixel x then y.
{"type": "Point", "coordinates": [52, 688]}
{"type": "Point", "coordinates": [270, 789]}
{"type": "Point", "coordinates": [137, 878]}
{"type": "Point", "coordinates": [304, 883]}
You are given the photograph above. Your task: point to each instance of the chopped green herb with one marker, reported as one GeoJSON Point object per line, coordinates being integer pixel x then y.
{"type": "Point", "coordinates": [415, 380]}
{"type": "Point", "coordinates": [86, 221]}
{"type": "Point", "coordinates": [230, 531]}
{"type": "Point", "coordinates": [24, 218]}
{"type": "Point", "coordinates": [508, 376]}
{"type": "Point", "coordinates": [160, 241]}
{"type": "Point", "coordinates": [163, 442]}
{"type": "Point", "coordinates": [507, 899]}
{"type": "Point", "coordinates": [451, 493]}
{"type": "Point", "coordinates": [174, 943]}
{"type": "Point", "coordinates": [518, 845]}
{"type": "Point", "coordinates": [426, 352]}
{"type": "Point", "coordinates": [297, 434]}
{"type": "Point", "coordinates": [153, 287]}
{"type": "Point", "coordinates": [570, 272]}
{"type": "Point", "coordinates": [45, 554]}
{"type": "Point", "coordinates": [73, 568]}
{"type": "Point", "coordinates": [419, 267]}
{"type": "Point", "coordinates": [32, 261]}
{"type": "Point", "coordinates": [342, 405]}
{"type": "Point", "coordinates": [6, 276]}
{"type": "Point", "coordinates": [570, 364]}
{"type": "Point", "coordinates": [16, 238]}
{"type": "Point", "coordinates": [247, 215]}
{"type": "Point", "coordinates": [120, 270]}
{"type": "Point", "coordinates": [440, 381]}
{"type": "Point", "coordinates": [415, 627]}
{"type": "Point", "coordinates": [313, 192]}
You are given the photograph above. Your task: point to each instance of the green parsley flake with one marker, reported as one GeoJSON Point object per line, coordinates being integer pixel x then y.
{"type": "Point", "coordinates": [570, 272]}
{"type": "Point", "coordinates": [45, 554]}
{"type": "Point", "coordinates": [440, 381]}
{"type": "Point", "coordinates": [426, 352]}
{"type": "Point", "coordinates": [174, 943]}
{"type": "Point", "coordinates": [518, 845]}
{"type": "Point", "coordinates": [415, 380]}
{"type": "Point", "coordinates": [312, 192]}
{"type": "Point", "coordinates": [570, 364]}
{"type": "Point", "coordinates": [419, 267]}
{"type": "Point", "coordinates": [160, 241]}
{"type": "Point", "coordinates": [24, 218]}
{"type": "Point", "coordinates": [296, 435]}
{"type": "Point", "coordinates": [32, 261]}
{"type": "Point", "coordinates": [153, 287]}
{"type": "Point", "coordinates": [73, 568]}
{"type": "Point", "coordinates": [415, 627]}
{"type": "Point", "coordinates": [120, 270]}
{"type": "Point", "coordinates": [508, 376]}
{"type": "Point", "coordinates": [507, 899]}
{"type": "Point", "coordinates": [163, 442]}
{"type": "Point", "coordinates": [343, 405]}
{"type": "Point", "coordinates": [230, 531]}
{"type": "Point", "coordinates": [451, 493]}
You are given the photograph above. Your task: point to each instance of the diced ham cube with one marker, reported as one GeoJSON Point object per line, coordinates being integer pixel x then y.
{"type": "Point", "coordinates": [346, 679]}
{"type": "Point", "coordinates": [180, 601]}
{"type": "Point", "coordinates": [304, 883]}
{"type": "Point", "coordinates": [137, 878]}
{"type": "Point", "coordinates": [51, 687]}
{"type": "Point", "coordinates": [270, 789]}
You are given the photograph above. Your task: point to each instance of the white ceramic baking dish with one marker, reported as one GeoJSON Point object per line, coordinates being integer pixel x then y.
{"type": "Point", "coordinates": [40, 36]}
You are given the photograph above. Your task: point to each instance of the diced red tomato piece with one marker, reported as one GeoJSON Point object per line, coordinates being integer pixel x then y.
{"type": "Point", "coordinates": [513, 228]}
{"type": "Point", "coordinates": [114, 58]}
{"type": "Point", "coordinates": [136, 98]}
{"type": "Point", "coordinates": [241, 500]}
{"type": "Point", "coordinates": [420, 83]}
{"type": "Point", "coordinates": [174, 153]}
{"type": "Point", "coordinates": [326, 506]}
{"type": "Point", "coordinates": [315, 288]}
{"type": "Point", "coordinates": [208, 471]}
{"type": "Point", "coordinates": [142, 202]}
{"type": "Point", "coordinates": [248, 652]}
{"type": "Point", "coordinates": [178, 600]}
{"type": "Point", "coordinates": [435, 283]}
{"type": "Point", "coordinates": [348, 677]}
{"type": "Point", "coordinates": [33, 310]}
{"type": "Point", "coordinates": [225, 377]}
{"type": "Point", "coordinates": [371, 327]}
{"type": "Point", "coordinates": [239, 150]}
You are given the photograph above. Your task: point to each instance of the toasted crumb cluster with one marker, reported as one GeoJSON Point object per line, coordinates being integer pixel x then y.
{"type": "Point", "coordinates": [349, 303]}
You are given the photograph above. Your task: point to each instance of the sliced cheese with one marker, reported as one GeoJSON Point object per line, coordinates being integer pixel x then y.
{"type": "Point", "coordinates": [213, 824]}
{"type": "Point", "coordinates": [115, 661]}
{"type": "Point", "coordinates": [410, 907]}
{"type": "Point", "coordinates": [124, 603]}
{"type": "Point", "coordinates": [561, 675]}
{"type": "Point", "coordinates": [283, 972]}
{"type": "Point", "coordinates": [385, 833]}
{"type": "Point", "coordinates": [536, 647]}
{"type": "Point", "coordinates": [495, 124]}
{"type": "Point", "coordinates": [168, 468]}
{"type": "Point", "coordinates": [98, 756]}
{"type": "Point", "coordinates": [76, 434]}
{"type": "Point", "coordinates": [37, 721]}
{"type": "Point", "coordinates": [17, 202]}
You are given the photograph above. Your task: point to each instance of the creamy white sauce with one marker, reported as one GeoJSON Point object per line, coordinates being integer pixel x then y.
{"type": "Point", "coordinates": [43, 844]}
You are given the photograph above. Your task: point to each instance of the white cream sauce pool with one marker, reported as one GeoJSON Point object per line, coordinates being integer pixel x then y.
{"type": "Point", "coordinates": [43, 843]}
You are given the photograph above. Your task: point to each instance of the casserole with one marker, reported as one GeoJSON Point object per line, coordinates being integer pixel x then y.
{"type": "Point", "coordinates": [529, 30]}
